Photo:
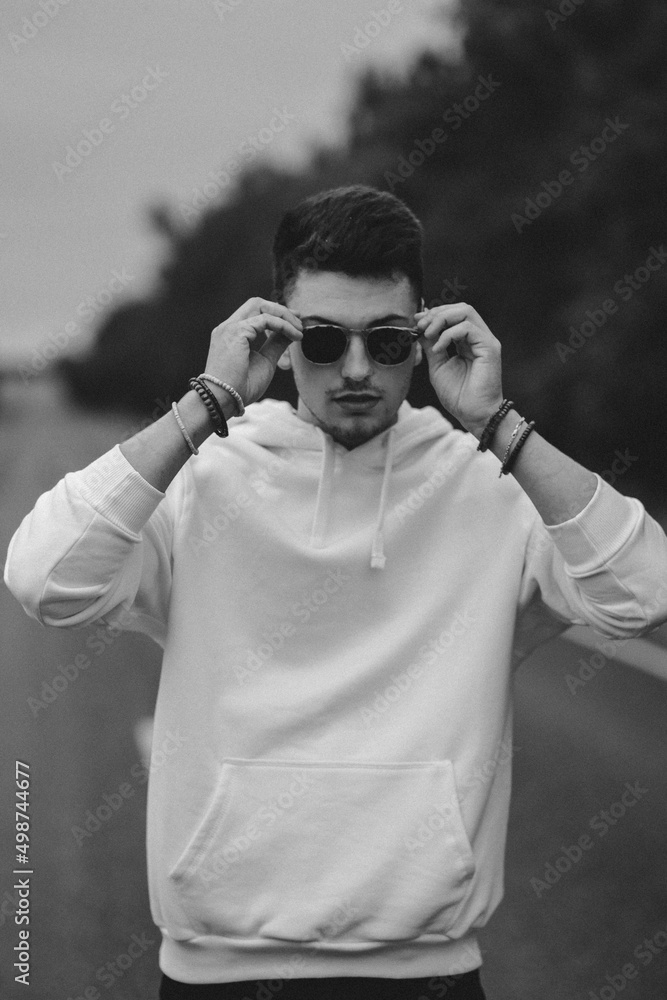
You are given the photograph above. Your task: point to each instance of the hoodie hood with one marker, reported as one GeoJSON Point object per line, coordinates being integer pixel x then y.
{"type": "Point", "coordinates": [275, 423]}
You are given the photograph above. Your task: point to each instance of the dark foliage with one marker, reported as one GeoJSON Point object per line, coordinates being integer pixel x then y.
{"type": "Point", "coordinates": [553, 81]}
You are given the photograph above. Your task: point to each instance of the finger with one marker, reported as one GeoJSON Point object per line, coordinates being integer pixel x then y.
{"type": "Point", "coordinates": [279, 334]}
{"type": "Point", "coordinates": [267, 321]}
{"type": "Point", "coordinates": [258, 306]}
{"type": "Point", "coordinates": [278, 309]}
{"type": "Point", "coordinates": [430, 326]}
{"type": "Point", "coordinates": [274, 346]}
{"type": "Point", "coordinates": [464, 336]}
{"type": "Point", "coordinates": [448, 315]}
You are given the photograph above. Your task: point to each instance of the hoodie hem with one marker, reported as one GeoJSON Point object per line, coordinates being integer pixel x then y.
{"type": "Point", "coordinates": [222, 960]}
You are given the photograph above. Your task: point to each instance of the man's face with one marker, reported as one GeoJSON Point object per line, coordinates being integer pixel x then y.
{"type": "Point", "coordinates": [353, 303]}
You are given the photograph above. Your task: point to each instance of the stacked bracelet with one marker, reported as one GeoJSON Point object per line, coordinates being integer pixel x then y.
{"type": "Point", "coordinates": [507, 465]}
{"type": "Point", "coordinates": [509, 446]}
{"type": "Point", "coordinates": [240, 408]}
{"type": "Point", "coordinates": [212, 405]}
{"type": "Point", "coordinates": [490, 429]}
{"type": "Point", "coordinates": [188, 439]}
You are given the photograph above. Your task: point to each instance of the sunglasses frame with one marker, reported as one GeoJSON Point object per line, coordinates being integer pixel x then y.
{"type": "Point", "coordinates": [414, 332]}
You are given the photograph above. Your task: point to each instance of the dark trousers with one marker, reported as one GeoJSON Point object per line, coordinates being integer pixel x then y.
{"type": "Point", "coordinates": [466, 986]}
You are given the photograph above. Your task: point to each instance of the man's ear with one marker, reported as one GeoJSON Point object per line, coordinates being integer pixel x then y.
{"type": "Point", "coordinates": [284, 361]}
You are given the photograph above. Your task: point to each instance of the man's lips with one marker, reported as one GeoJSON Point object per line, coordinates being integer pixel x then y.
{"type": "Point", "coordinates": [356, 396]}
{"type": "Point", "coordinates": [357, 402]}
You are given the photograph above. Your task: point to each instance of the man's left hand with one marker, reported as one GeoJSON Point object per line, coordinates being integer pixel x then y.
{"type": "Point", "coordinates": [469, 385]}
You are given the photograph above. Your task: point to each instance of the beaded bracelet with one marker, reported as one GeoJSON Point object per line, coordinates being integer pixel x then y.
{"type": "Point", "coordinates": [509, 446]}
{"type": "Point", "coordinates": [519, 445]}
{"type": "Point", "coordinates": [188, 439]}
{"type": "Point", "coordinates": [212, 405]}
{"type": "Point", "coordinates": [240, 408]}
{"type": "Point", "coordinates": [490, 429]}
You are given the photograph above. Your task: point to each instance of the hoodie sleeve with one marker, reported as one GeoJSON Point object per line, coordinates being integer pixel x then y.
{"type": "Point", "coordinates": [96, 547]}
{"type": "Point", "coordinates": [606, 567]}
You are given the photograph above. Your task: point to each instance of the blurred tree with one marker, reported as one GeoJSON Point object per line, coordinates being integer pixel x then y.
{"type": "Point", "coordinates": [544, 88]}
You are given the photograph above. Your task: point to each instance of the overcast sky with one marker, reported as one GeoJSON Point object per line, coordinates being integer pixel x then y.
{"type": "Point", "coordinates": [151, 96]}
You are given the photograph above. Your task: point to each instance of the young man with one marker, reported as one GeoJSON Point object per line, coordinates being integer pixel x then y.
{"type": "Point", "coordinates": [342, 592]}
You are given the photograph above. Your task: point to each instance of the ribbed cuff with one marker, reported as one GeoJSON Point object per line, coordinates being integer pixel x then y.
{"type": "Point", "coordinates": [115, 489]}
{"type": "Point", "coordinates": [596, 533]}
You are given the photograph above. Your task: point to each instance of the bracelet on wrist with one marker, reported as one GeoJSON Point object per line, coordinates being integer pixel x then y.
{"type": "Point", "coordinates": [212, 405]}
{"type": "Point", "coordinates": [240, 408]}
{"type": "Point", "coordinates": [494, 420]}
{"type": "Point", "coordinates": [509, 446]}
{"type": "Point", "coordinates": [509, 463]}
{"type": "Point", "coordinates": [188, 439]}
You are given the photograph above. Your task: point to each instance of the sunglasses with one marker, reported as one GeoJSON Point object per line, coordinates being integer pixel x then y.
{"type": "Point", "coordinates": [387, 345]}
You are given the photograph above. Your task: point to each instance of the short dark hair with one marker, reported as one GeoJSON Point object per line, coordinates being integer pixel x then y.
{"type": "Point", "coordinates": [358, 230]}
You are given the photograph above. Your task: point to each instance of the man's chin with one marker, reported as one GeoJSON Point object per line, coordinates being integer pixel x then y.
{"type": "Point", "coordinates": [355, 429]}
{"type": "Point", "coordinates": [348, 429]}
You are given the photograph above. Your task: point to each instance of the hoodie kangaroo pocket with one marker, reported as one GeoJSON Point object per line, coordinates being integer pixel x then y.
{"type": "Point", "coordinates": [322, 850]}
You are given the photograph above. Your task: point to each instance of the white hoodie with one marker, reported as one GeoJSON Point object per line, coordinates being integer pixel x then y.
{"type": "Point", "coordinates": [339, 632]}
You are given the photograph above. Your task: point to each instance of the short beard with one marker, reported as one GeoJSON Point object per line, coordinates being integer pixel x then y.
{"type": "Point", "coordinates": [352, 437]}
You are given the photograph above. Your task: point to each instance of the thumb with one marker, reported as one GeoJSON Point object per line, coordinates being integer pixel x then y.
{"type": "Point", "coordinates": [274, 346]}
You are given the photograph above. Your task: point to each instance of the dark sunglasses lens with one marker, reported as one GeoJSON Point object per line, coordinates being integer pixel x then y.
{"type": "Point", "coordinates": [389, 345]}
{"type": "Point", "coordinates": [323, 344]}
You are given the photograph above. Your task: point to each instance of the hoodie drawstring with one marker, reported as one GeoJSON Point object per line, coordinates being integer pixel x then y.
{"type": "Point", "coordinates": [378, 558]}
{"type": "Point", "coordinates": [326, 470]}
{"type": "Point", "coordinates": [318, 532]}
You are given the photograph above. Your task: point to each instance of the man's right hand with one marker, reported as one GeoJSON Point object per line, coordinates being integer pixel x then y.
{"type": "Point", "coordinates": [231, 357]}
{"type": "Point", "coordinates": [158, 451]}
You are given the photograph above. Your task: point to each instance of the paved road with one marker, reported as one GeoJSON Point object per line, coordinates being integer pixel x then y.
{"type": "Point", "coordinates": [575, 753]}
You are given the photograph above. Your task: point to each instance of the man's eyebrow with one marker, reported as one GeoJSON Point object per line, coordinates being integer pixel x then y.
{"type": "Point", "coordinates": [374, 322]}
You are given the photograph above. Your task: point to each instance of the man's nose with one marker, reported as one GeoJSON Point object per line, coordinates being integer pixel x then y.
{"type": "Point", "coordinates": [356, 363]}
